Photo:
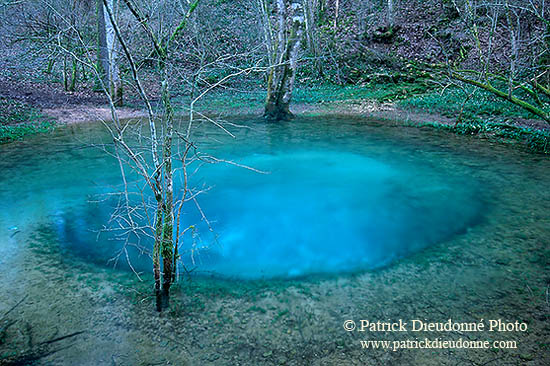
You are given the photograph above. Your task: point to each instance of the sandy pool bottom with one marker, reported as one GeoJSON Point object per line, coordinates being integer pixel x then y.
{"type": "Point", "coordinates": [497, 270]}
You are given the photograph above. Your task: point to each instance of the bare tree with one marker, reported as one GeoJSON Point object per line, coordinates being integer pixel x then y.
{"type": "Point", "coordinates": [108, 50]}
{"type": "Point", "coordinates": [160, 176]}
{"type": "Point", "coordinates": [336, 14]}
{"type": "Point", "coordinates": [168, 143]}
{"type": "Point", "coordinates": [49, 28]}
{"type": "Point", "coordinates": [312, 38]}
{"type": "Point", "coordinates": [521, 78]}
{"type": "Point", "coordinates": [390, 15]}
{"type": "Point", "coordinates": [290, 22]}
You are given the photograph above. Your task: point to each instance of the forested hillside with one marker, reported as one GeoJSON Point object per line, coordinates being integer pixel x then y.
{"type": "Point", "coordinates": [487, 59]}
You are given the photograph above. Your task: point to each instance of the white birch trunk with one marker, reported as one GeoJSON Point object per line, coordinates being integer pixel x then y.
{"type": "Point", "coordinates": [108, 50]}
{"type": "Point", "coordinates": [390, 13]}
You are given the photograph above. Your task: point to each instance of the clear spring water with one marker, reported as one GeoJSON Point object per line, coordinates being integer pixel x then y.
{"type": "Point", "coordinates": [340, 195]}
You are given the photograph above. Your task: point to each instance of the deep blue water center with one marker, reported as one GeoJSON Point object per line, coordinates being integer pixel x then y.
{"type": "Point", "coordinates": [337, 195]}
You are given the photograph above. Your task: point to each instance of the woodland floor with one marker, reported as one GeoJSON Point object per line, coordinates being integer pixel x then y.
{"type": "Point", "coordinates": [64, 107]}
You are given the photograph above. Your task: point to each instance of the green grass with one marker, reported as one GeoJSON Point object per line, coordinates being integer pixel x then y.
{"type": "Point", "coordinates": [373, 91]}
{"type": "Point", "coordinates": [18, 120]}
{"type": "Point", "coordinates": [483, 114]}
{"type": "Point", "coordinates": [311, 95]}
{"type": "Point", "coordinates": [482, 105]}
{"type": "Point", "coordinates": [535, 140]}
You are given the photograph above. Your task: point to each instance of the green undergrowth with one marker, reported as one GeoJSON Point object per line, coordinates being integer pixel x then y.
{"type": "Point", "coordinates": [483, 114]}
{"type": "Point", "coordinates": [316, 94]}
{"type": "Point", "coordinates": [19, 119]}
{"type": "Point", "coordinates": [383, 93]}
{"type": "Point", "coordinates": [534, 140]}
{"type": "Point", "coordinates": [479, 104]}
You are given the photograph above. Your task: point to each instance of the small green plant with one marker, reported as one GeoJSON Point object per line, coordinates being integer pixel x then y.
{"type": "Point", "coordinates": [19, 119]}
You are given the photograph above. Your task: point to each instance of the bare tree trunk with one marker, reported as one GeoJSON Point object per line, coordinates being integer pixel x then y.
{"type": "Point", "coordinates": [514, 35]}
{"type": "Point", "coordinates": [65, 78]}
{"type": "Point", "coordinates": [168, 226]}
{"type": "Point", "coordinates": [74, 75]}
{"type": "Point", "coordinates": [390, 13]}
{"type": "Point", "coordinates": [336, 14]}
{"type": "Point", "coordinates": [102, 52]}
{"type": "Point", "coordinates": [108, 52]}
{"type": "Point", "coordinates": [282, 75]}
{"type": "Point", "coordinates": [51, 63]}
{"type": "Point", "coordinates": [156, 253]}
{"type": "Point", "coordinates": [311, 11]}
{"type": "Point", "coordinates": [268, 30]}
{"type": "Point", "coordinates": [545, 58]}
